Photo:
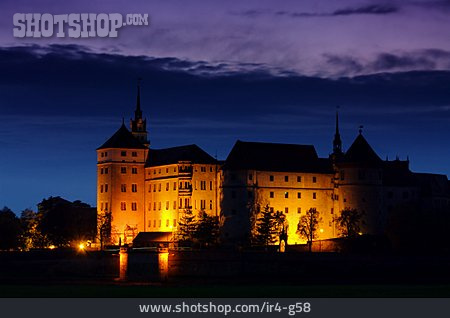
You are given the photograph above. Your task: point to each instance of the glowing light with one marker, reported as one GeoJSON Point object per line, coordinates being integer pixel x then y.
{"type": "Point", "coordinates": [52, 247]}
{"type": "Point", "coordinates": [81, 246]}
{"type": "Point", "coordinates": [360, 233]}
{"type": "Point", "coordinates": [321, 230]}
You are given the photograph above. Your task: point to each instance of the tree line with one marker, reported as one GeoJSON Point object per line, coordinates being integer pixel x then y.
{"type": "Point", "coordinates": [57, 222]}
{"type": "Point", "coordinates": [61, 223]}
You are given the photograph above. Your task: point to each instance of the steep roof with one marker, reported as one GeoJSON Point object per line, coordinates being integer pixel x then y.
{"type": "Point", "coordinates": [122, 138]}
{"type": "Point", "coordinates": [276, 157]}
{"type": "Point", "coordinates": [192, 153]}
{"type": "Point", "coordinates": [361, 152]}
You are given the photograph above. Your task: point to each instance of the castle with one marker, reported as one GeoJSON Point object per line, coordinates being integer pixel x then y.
{"type": "Point", "coordinates": [146, 190]}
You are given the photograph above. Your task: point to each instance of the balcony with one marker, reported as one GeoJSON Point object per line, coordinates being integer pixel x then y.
{"type": "Point", "coordinates": [185, 171]}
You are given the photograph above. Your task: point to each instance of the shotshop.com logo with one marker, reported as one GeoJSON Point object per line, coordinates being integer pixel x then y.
{"type": "Point", "coordinates": [73, 25]}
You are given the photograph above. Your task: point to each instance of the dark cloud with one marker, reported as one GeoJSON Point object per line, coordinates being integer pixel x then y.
{"type": "Point", "coordinates": [371, 9]}
{"type": "Point", "coordinates": [430, 59]}
{"type": "Point", "coordinates": [376, 9]}
{"type": "Point", "coordinates": [72, 81]}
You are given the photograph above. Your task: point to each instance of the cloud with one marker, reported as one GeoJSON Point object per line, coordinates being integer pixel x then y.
{"type": "Point", "coordinates": [370, 9]}
{"type": "Point", "coordinates": [375, 9]}
{"type": "Point", "coordinates": [426, 60]}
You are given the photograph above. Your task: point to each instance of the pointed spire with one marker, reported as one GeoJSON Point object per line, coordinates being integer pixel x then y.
{"type": "Point", "coordinates": [361, 129]}
{"type": "Point", "coordinates": [138, 112]}
{"type": "Point", "coordinates": [337, 143]}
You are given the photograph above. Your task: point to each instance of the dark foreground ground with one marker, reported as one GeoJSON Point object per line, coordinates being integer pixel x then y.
{"type": "Point", "coordinates": [223, 274]}
{"type": "Point", "coordinates": [149, 291]}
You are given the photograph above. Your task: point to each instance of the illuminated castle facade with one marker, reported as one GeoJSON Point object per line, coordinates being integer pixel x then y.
{"type": "Point", "coordinates": [147, 190]}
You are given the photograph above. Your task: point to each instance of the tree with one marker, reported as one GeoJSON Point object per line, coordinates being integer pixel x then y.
{"type": "Point", "coordinates": [266, 230]}
{"type": "Point", "coordinates": [308, 225]}
{"type": "Point", "coordinates": [104, 228]}
{"type": "Point", "coordinates": [206, 229]}
{"type": "Point", "coordinates": [64, 222]}
{"type": "Point", "coordinates": [348, 222]}
{"type": "Point", "coordinates": [281, 226]}
{"type": "Point", "coordinates": [32, 236]}
{"type": "Point", "coordinates": [186, 227]}
{"type": "Point", "coordinates": [10, 230]}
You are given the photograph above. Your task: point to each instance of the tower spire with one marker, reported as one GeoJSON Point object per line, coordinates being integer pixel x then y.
{"type": "Point", "coordinates": [138, 124]}
{"type": "Point", "coordinates": [337, 143]}
{"type": "Point", "coordinates": [138, 111]}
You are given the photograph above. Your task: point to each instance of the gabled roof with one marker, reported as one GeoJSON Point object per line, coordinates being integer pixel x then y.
{"type": "Point", "coordinates": [122, 138]}
{"type": "Point", "coordinates": [192, 153]}
{"type": "Point", "coordinates": [276, 157]}
{"type": "Point", "coordinates": [361, 152]}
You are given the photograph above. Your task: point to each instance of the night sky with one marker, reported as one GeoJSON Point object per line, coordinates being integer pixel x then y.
{"type": "Point", "coordinates": [217, 71]}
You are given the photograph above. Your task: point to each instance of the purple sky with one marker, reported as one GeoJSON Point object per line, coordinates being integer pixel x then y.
{"type": "Point", "coordinates": [319, 38]}
{"type": "Point", "coordinates": [217, 71]}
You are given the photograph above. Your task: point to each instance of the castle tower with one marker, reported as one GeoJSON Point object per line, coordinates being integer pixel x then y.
{"type": "Point", "coordinates": [359, 184]}
{"type": "Point", "coordinates": [138, 125]}
{"type": "Point", "coordinates": [120, 178]}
